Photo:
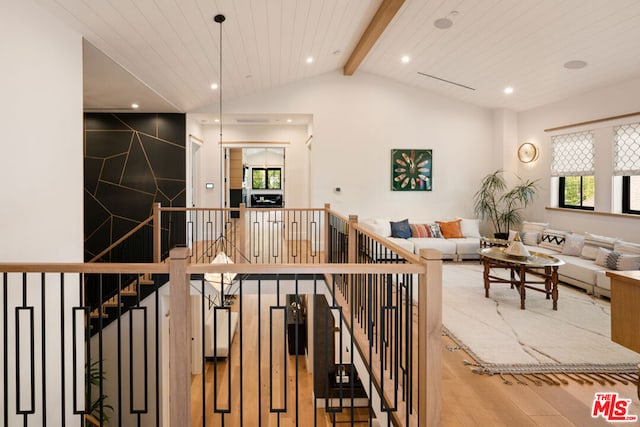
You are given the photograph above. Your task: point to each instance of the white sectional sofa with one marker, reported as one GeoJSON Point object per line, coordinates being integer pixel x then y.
{"type": "Point", "coordinates": [464, 247]}
{"type": "Point", "coordinates": [587, 256]}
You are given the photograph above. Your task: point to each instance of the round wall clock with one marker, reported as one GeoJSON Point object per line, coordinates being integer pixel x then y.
{"type": "Point", "coordinates": [527, 152]}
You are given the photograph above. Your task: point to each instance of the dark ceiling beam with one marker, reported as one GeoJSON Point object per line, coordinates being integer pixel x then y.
{"type": "Point", "coordinates": [378, 24]}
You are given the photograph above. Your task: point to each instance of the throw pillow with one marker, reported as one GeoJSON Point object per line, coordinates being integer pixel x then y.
{"type": "Point", "coordinates": [400, 229]}
{"type": "Point", "coordinates": [601, 256]}
{"type": "Point", "coordinates": [420, 230]}
{"type": "Point", "coordinates": [617, 261]}
{"type": "Point", "coordinates": [592, 242]}
{"type": "Point", "coordinates": [512, 235]}
{"type": "Point", "coordinates": [450, 229]}
{"type": "Point", "coordinates": [530, 238]}
{"type": "Point", "coordinates": [435, 230]}
{"type": "Point", "coordinates": [384, 227]}
{"type": "Point", "coordinates": [470, 227]}
{"type": "Point", "coordinates": [623, 261]}
{"type": "Point", "coordinates": [552, 239]}
{"type": "Point", "coordinates": [534, 226]}
{"type": "Point", "coordinates": [573, 245]}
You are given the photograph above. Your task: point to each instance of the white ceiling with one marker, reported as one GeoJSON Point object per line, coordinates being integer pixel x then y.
{"type": "Point", "coordinates": [173, 47]}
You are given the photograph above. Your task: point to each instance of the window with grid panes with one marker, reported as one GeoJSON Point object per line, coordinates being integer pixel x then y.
{"type": "Point", "coordinates": [626, 163]}
{"type": "Point", "coordinates": [573, 162]}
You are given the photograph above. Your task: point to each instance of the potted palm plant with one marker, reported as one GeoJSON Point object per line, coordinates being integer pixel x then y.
{"type": "Point", "coordinates": [501, 205]}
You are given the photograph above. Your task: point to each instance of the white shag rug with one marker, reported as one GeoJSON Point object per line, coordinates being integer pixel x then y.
{"type": "Point", "coordinates": [503, 338]}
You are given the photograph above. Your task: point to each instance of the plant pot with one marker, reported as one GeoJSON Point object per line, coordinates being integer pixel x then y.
{"type": "Point", "coordinates": [503, 236]}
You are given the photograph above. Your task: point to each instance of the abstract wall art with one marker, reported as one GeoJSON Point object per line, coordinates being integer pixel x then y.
{"type": "Point", "coordinates": [411, 170]}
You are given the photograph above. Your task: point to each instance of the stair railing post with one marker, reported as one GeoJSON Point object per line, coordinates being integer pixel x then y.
{"type": "Point", "coordinates": [430, 339]}
{"type": "Point", "coordinates": [353, 239]}
{"type": "Point", "coordinates": [241, 243]}
{"type": "Point", "coordinates": [157, 234]}
{"type": "Point", "coordinates": [179, 338]}
{"type": "Point", "coordinates": [327, 232]}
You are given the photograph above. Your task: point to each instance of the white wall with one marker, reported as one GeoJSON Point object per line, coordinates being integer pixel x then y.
{"type": "Point", "coordinates": [611, 101]}
{"type": "Point", "coordinates": [41, 180]}
{"type": "Point", "coordinates": [357, 120]}
{"type": "Point", "coordinates": [41, 129]}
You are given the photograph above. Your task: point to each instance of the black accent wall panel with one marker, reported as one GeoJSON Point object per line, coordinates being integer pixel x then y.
{"type": "Point", "coordinates": [132, 160]}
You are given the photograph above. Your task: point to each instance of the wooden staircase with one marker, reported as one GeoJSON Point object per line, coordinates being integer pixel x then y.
{"type": "Point", "coordinates": [129, 291]}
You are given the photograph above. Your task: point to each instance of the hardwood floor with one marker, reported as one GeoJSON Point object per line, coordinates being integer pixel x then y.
{"type": "Point", "coordinates": [469, 399]}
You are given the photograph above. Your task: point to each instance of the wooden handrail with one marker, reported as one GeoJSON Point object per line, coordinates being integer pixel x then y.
{"type": "Point", "coordinates": [95, 268]}
{"type": "Point", "coordinates": [337, 215]}
{"type": "Point", "coordinates": [122, 239]}
{"type": "Point", "coordinates": [180, 209]}
{"type": "Point", "coordinates": [163, 268]}
{"type": "Point", "coordinates": [409, 256]}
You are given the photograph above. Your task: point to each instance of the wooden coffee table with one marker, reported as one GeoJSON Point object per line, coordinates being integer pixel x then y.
{"type": "Point", "coordinates": [524, 273]}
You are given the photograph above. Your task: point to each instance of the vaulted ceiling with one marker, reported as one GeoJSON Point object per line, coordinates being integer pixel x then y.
{"type": "Point", "coordinates": [172, 46]}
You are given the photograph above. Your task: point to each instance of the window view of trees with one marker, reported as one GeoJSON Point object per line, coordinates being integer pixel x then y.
{"type": "Point", "coordinates": [258, 179]}
{"type": "Point", "coordinates": [266, 179]}
{"type": "Point", "coordinates": [273, 178]}
{"type": "Point", "coordinates": [577, 192]}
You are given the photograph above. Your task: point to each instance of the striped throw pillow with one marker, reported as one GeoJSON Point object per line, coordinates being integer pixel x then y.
{"type": "Point", "coordinates": [617, 261]}
{"type": "Point", "coordinates": [420, 230]}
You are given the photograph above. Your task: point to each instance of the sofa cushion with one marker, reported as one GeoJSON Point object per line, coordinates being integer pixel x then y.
{"type": "Point", "coordinates": [384, 226]}
{"type": "Point", "coordinates": [580, 269]}
{"type": "Point", "coordinates": [530, 238]}
{"type": "Point", "coordinates": [401, 229]}
{"type": "Point", "coordinates": [405, 244]}
{"type": "Point", "coordinates": [626, 247]}
{"type": "Point", "coordinates": [603, 281]}
{"type": "Point", "coordinates": [470, 227]}
{"type": "Point", "coordinates": [592, 242]}
{"type": "Point", "coordinates": [420, 230]}
{"type": "Point", "coordinates": [379, 227]}
{"type": "Point", "coordinates": [573, 244]}
{"type": "Point", "coordinates": [450, 229]}
{"type": "Point", "coordinates": [534, 226]}
{"type": "Point", "coordinates": [447, 247]}
{"type": "Point", "coordinates": [552, 239]}
{"type": "Point", "coordinates": [467, 246]}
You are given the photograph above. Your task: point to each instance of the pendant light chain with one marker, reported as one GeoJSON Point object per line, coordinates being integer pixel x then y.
{"type": "Point", "coordinates": [220, 19]}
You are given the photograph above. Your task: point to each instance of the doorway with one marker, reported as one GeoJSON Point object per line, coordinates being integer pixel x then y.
{"type": "Point", "coordinates": [255, 176]}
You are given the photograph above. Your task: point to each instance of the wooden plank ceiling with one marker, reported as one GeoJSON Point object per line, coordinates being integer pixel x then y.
{"type": "Point", "coordinates": [173, 45]}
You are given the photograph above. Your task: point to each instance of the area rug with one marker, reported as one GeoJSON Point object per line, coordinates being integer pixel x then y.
{"type": "Point", "coordinates": [501, 338]}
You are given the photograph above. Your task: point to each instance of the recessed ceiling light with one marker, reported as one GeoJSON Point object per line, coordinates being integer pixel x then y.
{"type": "Point", "coordinates": [576, 64]}
{"type": "Point", "coordinates": [134, 106]}
{"type": "Point", "coordinates": [309, 59]}
{"type": "Point", "coordinates": [289, 120]}
{"type": "Point", "coordinates": [443, 23]}
{"type": "Point", "coordinates": [508, 90]}
{"type": "Point", "coordinates": [214, 86]}
{"type": "Point", "coordinates": [405, 59]}
{"type": "Point", "coordinates": [217, 120]}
